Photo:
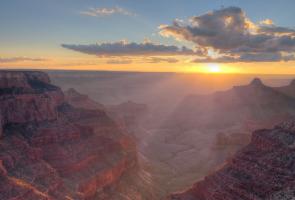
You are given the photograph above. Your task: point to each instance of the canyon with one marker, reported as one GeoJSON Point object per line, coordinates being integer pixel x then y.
{"type": "Point", "coordinates": [263, 169]}
{"type": "Point", "coordinates": [204, 131]}
{"type": "Point", "coordinates": [191, 136]}
{"type": "Point", "coordinates": [64, 143]}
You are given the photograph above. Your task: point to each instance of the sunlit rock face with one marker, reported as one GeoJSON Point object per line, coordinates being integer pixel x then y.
{"type": "Point", "coordinates": [264, 169]}
{"type": "Point", "coordinates": [52, 150]}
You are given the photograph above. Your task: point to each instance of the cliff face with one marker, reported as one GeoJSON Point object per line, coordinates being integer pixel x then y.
{"type": "Point", "coordinates": [264, 169]}
{"type": "Point", "coordinates": [128, 115]}
{"type": "Point", "coordinates": [81, 100]}
{"type": "Point", "coordinates": [136, 184]}
{"type": "Point", "coordinates": [288, 89]}
{"type": "Point", "coordinates": [27, 97]}
{"type": "Point", "coordinates": [52, 150]}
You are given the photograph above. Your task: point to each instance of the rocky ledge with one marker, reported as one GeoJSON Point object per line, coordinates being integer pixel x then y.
{"type": "Point", "coordinates": [52, 150]}
{"type": "Point", "coordinates": [265, 169]}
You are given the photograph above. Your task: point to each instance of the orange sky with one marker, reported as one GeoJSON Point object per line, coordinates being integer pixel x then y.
{"type": "Point", "coordinates": [137, 64]}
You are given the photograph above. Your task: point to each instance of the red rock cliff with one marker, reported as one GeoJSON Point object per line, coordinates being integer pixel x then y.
{"type": "Point", "coordinates": [51, 150]}
{"type": "Point", "coordinates": [128, 115]}
{"type": "Point", "coordinates": [265, 169]}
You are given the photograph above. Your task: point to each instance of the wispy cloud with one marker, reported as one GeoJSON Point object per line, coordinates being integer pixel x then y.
{"type": "Point", "coordinates": [234, 37]}
{"type": "Point", "coordinates": [160, 60]}
{"type": "Point", "coordinates": [99, 12]}
{"type": "Point", "coordinates": [247, 57]}
{"type": "Point", "coordinates": [124, 48]}
{"type": "Point", "coordinates": [20, 59]}
{"type": "Point", "coordinates": [119, 61]}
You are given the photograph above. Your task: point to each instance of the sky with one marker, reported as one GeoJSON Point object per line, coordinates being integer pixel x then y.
{"type": "Point", "coordinates": [210, 36]}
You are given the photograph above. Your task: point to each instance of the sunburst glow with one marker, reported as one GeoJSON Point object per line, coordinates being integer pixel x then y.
{"type": "Point", "coordinates": [214, 68]}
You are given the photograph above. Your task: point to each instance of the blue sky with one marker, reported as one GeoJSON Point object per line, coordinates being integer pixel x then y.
{"type": "Point", "coordinates": [58, 21]}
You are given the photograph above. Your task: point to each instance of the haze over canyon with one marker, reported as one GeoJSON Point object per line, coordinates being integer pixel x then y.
{"type": "Point", "coordinates": [59, 144]}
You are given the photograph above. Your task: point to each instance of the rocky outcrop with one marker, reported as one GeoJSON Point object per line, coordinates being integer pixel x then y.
{"type": "Point", "coordinates": [240, 105]}
{"type": "Point", "coordinates": [52, 150]}
{"type": "Point", "coordinates": [288, 89]}
{"type": "Point", "coordinates": [128, 115]}
{"type": "Point", "coordinates": [27, 97]}
{"type": "Point", "coordinates": [262, 170]}
{"type": "Point", "coordinates": [81, 100]}
{"type": "Point", "coordinates": [10, 80]}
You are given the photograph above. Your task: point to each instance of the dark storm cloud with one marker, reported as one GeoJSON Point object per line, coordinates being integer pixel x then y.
{"type": "Point", "coordinates": [129, 49]}
{"type": "Point", "coordinates": [231, 34]}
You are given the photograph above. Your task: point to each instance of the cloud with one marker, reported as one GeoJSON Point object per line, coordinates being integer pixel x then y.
{"type": "Point", "coordinates": [99, 12]}
{"type": "Point", "coordinates": [124, 48]}
{"type": "Point", "coordinates": [247, 57]}
{"type": "Point", "coordinates": [160, 60]}
{"type": "Point", "coordinates": [119, 61]}
{"type": "Point", "coordinates": [266, 22]}
{"type": "Point", "coordinates": [234, 37]}
{"type": "Point", "coordinates": [20, 59]}
{"type": "Point", "coordinates": [277, 30]}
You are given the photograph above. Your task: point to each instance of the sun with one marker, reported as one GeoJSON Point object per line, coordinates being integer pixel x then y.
{"type": "Point", "coordinates": [214, 68]}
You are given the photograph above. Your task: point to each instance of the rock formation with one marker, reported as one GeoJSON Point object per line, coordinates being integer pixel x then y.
{"type": "Point", "coordinates": [249, 106]}
{"type": "Point", "coordinates": [128, 115]}
{"type": "Point", "coordinates": [288, 89]}
{"type": "Point", "coordinates": [52, 150]}
{"type": "Point", "coordinates": [262, 170]}
{"type": "Point", "coordinates": [81, 100]}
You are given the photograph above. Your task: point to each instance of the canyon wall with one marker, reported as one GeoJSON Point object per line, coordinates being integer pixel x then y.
{"type": "Point", "coordinates": [52, 150]}
{"type": "Point", "coordinates": [262, 170]}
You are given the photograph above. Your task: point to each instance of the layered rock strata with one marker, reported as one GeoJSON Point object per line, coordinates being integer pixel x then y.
{"type": "Point", "coordinates": [52, 150]}
{"type": "Point", "coordinates": [264, 169]}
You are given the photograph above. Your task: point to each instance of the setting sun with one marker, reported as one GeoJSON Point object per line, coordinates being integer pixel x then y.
{"type": "Point", "coordinates": [214, 68]}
